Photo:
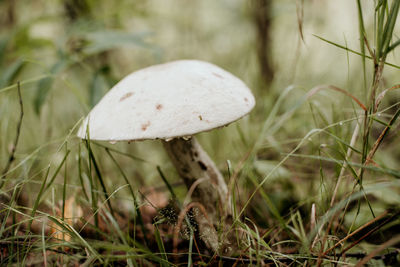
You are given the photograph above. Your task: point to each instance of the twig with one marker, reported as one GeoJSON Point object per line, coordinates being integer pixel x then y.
{"type": "Point", "coordinates": [14, 147]}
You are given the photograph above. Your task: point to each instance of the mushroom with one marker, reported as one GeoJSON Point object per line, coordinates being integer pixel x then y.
{"type": "Point", "coordinates": [173, 102]}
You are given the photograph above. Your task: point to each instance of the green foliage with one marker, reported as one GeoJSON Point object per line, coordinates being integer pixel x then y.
{"type": "Point", "coordinates": [46, 84]}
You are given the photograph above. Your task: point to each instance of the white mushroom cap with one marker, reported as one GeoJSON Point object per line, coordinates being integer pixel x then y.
{"type": "Point", "coordinates": [175, 99]}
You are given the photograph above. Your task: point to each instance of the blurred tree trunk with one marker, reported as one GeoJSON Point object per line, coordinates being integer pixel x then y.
{"type": "Point", "coordinates": [261, 10]}
{"type": "Point", "coordinates": [7, 14]}
{"type": "Point", "coordinates": [74, 9]}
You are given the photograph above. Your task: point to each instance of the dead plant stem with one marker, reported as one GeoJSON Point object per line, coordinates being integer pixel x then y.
{"type": "Point", "coordinates": [15, 144]}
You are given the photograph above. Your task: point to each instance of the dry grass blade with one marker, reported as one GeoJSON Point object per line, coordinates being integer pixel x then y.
{"type": "Point", "coordinates": [382, 95]}
{"type": "Point", "coordinates": [300, 17]}
{"type": "Point", "coordinates": [72, 212]}
{"type": "Point", "coordinates": [376, 228]}
{"type": "Point", "coordinates": [381, 137]}
{"type": "Point", "coordinates": [192, 188]}
{"type": "Point", "coordinates": [320, 87]}
{"type": "Point", "coordinates": [341, 241]}
{"type": "Point", "coordinates": [385, 245]}
{"type": "Point", "coordinates": [371, 52]}
{"type": "Point", "coordinates": [313, 216]}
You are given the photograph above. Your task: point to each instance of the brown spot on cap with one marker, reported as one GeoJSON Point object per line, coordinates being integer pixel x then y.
{"type": "Point", "coordinates": [125, 96]}
{"type": "Point", "coordinates": [200, 117]}
{"type": "Point", "coordinates": [217, 75]}
{"type": "Point", "coordinates": [159, 106]}
{"type": "Point", "coordinates": [202, 165]}
{"type": "Point", "coordinates": [145, 126]}
{"type": "Point", "coordinates": [245, 99]}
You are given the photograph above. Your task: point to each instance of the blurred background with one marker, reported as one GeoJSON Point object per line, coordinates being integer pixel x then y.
{"type": "Point", "coordinates": [67, 54]}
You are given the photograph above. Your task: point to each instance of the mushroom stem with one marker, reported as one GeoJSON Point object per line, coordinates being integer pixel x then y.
{"type": "Point", "coordinates": [192, 164]}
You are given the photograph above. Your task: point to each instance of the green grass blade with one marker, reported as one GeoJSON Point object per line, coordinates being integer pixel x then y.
{"type": "Point", "coordinates": [100, 177]}
{"type": "Point", "coordinates": [64, 187]}
{"type": "Point", "coordinates": [166, 183]}
{"type": "Point", "coordinates": [361, 29]}
{"type": "Point", "coordinates": [160, 245]}
{"type": "Point", "coordinates": [133, 195]}
{"type": "Point", "coordinates": [80, 173]}
{"type": "Point", "coordinates": [392, 172]}
{"type": "Point", "coordinates": [93, 188]}
{"type": "Point", "coordinates": [39, 197]}
{"type": "Point", "coordinates": [114, 223]}
{"type": "Point", "coordinates": [389, 27]}
{"type": "Point", "coordinates": [380, 11]}
{"type": "Point", "coordinates": [121, 153]}
{"type": "Point", "coordinates": [393, 46]}
{"type": "Point", "coordinates": [57, 171]}
{"type": "Point", "coordinates": [75, 234]}
{"type": "Point", "coordinates": [353, 51]}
